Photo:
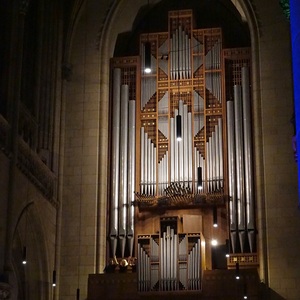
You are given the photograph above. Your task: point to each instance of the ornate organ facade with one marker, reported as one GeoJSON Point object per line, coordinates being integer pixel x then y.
{"type": "Point", "coordinates": [165, 193]}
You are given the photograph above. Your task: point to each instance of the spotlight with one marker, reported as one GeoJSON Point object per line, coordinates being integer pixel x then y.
{"type": "Point", "coordinates": [54, 278]}
{"type": "Point", "coordinates": [178, 128]}
{"type": "Point", "coordinates": [24, 261]}
{"type": "Point", "coordinates": [215, 217]}
{"type": "Point", "coordinates": [147, 69]}
{"type": "Point", "coordinates": [199, 179]}
{"type": "Point", "coordinates": [237, 271]}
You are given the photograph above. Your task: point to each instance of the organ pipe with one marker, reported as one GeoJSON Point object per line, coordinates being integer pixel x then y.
{"type": "Point", "coordinates": [131, 175]}
{"type": "Point", "coordinates": [231, 173]}
{"type": "Point", "coordinates": [115, 160]}
{"type": "Point", "coordinates": [123, 201]}
{"type": "Point", "coordinates": [248, 156]}
{"type": "Point", "coordinates": [239, 164]}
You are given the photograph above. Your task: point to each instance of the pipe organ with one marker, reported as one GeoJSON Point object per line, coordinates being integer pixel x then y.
{"type": "Point", "coordinates": [200, 91]}
{"type": "Point", "coordinates": [170, 261]}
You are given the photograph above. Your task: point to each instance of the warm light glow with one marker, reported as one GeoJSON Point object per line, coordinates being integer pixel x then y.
{"type": "Point", "coordinates": [203, 243]}
{"type": "Point", "coordinates": [147, 70]}
{"type": "Point", "coordinates": [227, 255]}
{"type": "Point", "coordinates": [245, 297]}
{"type": "Point", "coordinates": [53, 284]}
{"type": "Point", "coordinates": [200, 187]}
{"type": "Point", "coordinates": [215, 224]}
{"type": "Point", "coordinates": [214, 242]}
{"type": "Point", "coordinates": [179, 138]}
{"type": "Point", "coordinates": [24, 262]}
{"type": "Point", "coordinates": [237, 277]}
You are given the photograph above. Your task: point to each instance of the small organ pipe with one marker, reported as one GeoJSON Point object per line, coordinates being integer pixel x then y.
{"type": "Point", "coordinates": [176, 177]}
{"type": "Point", "coordinates": [115, 160]}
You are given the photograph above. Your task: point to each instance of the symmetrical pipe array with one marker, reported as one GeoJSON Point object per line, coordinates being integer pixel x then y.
{"type": "Point", "coordinates": [123, 167]}
{"type": "Point", "coordinates": [170, 263]}
{"type": "Point", "coordinates": [240, 166]}
{"type": "Point", "coordinates": [181, 67]}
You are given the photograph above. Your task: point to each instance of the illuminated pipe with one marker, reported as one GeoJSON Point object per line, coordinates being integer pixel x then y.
{"type": "Point", "coordinates": [150, 166]}
{"type": "Point", "coordinates": [221, 151]}
{"type": "Point", "coordinates": [115, 160]}
{"type": "Point", "coordinates": [145, 162]}
{"type": "Point", "coordinates": [239, 165]}
{"type": "Point", "coordinates": [131, 175]}
{"type": "Point", "coordinates": [172, 150]}
{"type": "Point", "coordinates": [190, 150]}
{"type": "Point", "coordinates": [180, 52]}
{"type": "Point", "coordinates": [185, 145]}
{"type": "Point", "coordinates": [231, 174]}
{"type": "Point", "coordinates": [123, 202]}
{"type": "Point", "coordinates": [176, 177]}
{"type": "Point", "coordinates": [217, 150]}
{"type": "Point", "coordinates": [142, 160]}
{"type": "Point", "coordinates": [180, 132]}
{"type": "Point", "coordinates": [248, 157]}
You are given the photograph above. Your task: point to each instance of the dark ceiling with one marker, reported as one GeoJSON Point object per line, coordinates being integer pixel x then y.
{"type": "Point", "coordinates": [207, 14]}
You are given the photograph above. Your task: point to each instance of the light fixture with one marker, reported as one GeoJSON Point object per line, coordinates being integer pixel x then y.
{"type": "Point", "coordinates": [245, 291]}
{"type": "Point", "coordinates": [227, 248]}
{"type": "Point", "coordinates": [178, 128]}
{"type": "Point", "coordinates": [215, 217]}
{"type": "Point", "coordinates": [24, 261]}
{"type": "Point", "coordinates": [214, 242]}
{"type": "Point", "coordinates": [54, 278]}
{"type": "Point", "coordinates": [199, 179]}
{"type": "Point", "coordinates": [78, 294]}
{"type": "Point", "coordinates": [147, 69]}
{"type": "Point", "coordinates": [237, 271]}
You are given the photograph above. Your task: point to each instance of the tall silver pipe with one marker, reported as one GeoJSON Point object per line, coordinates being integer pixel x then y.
{"type": "Point", "coordinates": [190, 150]}
{"type": "Point", "coordinates": [145, 162]}
{"type": "Point", "coordinates": [154, 169]}
{"type": "Point", "coordinates": [150, 167]}
{"type": "Point", "coordinates": [232, 174]}
{"type": "Point", "coordinates": [239, 164]}
{"type": "Point", "coordinates": [123, 202]}
{"type": "Point", "coordinates": [180, 52]}
{"type": "Point", "coordinates": [115, 160]}
{"type": "Point", "coordinates": [186, 135]}
{"type": "Point", "coordinates": [142, 160]}
{"type": "Point", "coordinates": [180, 144]}
{"type": "Point", "coordinates": [131, 175]}
{"type": "Point", "coordinates": [221, 151]}
{"type": "Point", "coordinates": [176, 148]}
{"type": "Point", "coordinates": [172, 150]}
{"type": "Point", "coordinates": [217, 157]}
{"type": "Point", "coordinates": [176, 54]}
{"type": "Point", "coordinates": [213, 159]}
{"type": "Point", "coordinates": [248, 157]}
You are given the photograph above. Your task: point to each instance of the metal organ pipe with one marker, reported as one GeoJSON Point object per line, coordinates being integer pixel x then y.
{"type": "Point", "coordinates": [231, 174]}
{"type": "Point", "coordinates": [115, 160]}
{"type": "Point", "coordinates": [190, 150]}
{"type": "Point", "coordinates": [142, 160]}
{"type": "Point", "coordinates": [239, 164]}
{"type": "Point", "coordinates": [131, 175]}
{"type": "Point", "coordinates": [123, 167]}
{"type": "Point", "coordinates": [248, 156]}
{"type": "Point", "coordinates": [221, 151]}
{"type": "Point", "coordinates": [185, 145]}
{"type": "Point", "coordinates": [180, 144]}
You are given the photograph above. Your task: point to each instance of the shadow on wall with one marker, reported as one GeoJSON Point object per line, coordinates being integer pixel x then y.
{"type": "Point", "coordinates": [269, 294]}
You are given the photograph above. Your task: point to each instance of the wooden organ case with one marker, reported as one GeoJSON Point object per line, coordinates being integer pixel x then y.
{"type": "Point", "coordinates": [165, 194]}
